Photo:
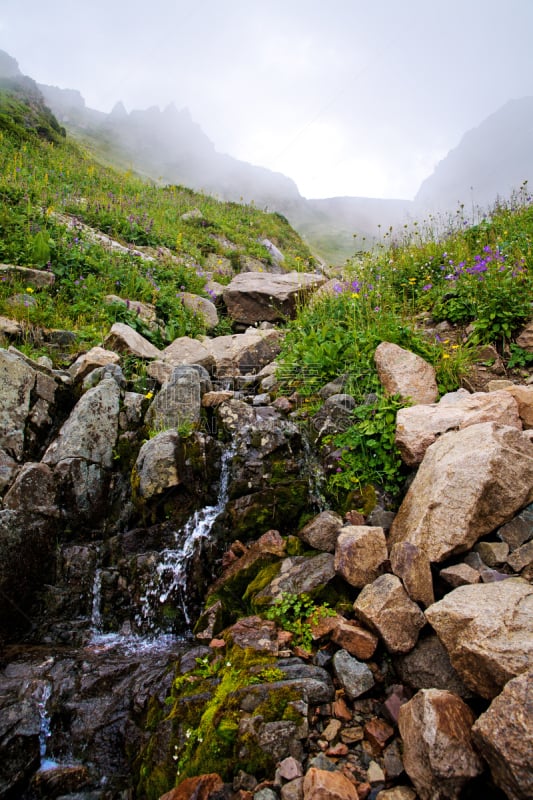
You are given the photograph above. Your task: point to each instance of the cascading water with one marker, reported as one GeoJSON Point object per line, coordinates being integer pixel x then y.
{"type": "Point", "coordinates": [169, 581]}
{"type": "Point", "coordinates": [165, 580]}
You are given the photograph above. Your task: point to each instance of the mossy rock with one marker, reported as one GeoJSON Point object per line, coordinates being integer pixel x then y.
{"type": "Point", "coordinates": [228, 723]}
{"type": "Point", "coordinates": [278, 507]}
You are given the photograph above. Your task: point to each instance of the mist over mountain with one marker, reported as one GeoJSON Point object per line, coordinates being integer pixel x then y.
{"type": "Point", "coordinates": [167, 146]}
{"type": "Point", "coordinates": [489, 162]}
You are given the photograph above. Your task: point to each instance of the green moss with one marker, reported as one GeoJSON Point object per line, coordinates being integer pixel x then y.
{"type": "Point", "coordinates": [262, 579]}
{"type": "Point", "coordinates": [202, 731]}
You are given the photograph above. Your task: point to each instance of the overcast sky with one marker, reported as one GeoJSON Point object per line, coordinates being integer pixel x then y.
{"type": "Point", "coordinates": [347, 97]}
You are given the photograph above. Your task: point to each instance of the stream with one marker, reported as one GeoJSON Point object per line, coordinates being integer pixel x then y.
{"type": "Point", "coordinates": [77, 698]}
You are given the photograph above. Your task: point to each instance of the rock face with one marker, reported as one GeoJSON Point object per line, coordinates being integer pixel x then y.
{"type": "Point", "coordinates": [404, 373]}
{"type": "Point", "coordinates": [437, 749]}
{"type": "Point", "coordinates": [355, 677]}
{"type": "Point", "coordinates": [185, 350]}
{"type": "Point", "coordinates": [38, 278]}
{"type": "Point", "coordinates": [487, 630]}
{"type": "Point", "coordinates": [255, 296]}
{"type": "Point", "coordinates": [94, 358]}
{"type": "Point", "coordinates": [504, 737]}
{"type": "Point", "coordinates": [385, 607]}
{"type": "Point", "coordinates": [419, 426]}
{"type": "Point", "coordinates": [469, 483]}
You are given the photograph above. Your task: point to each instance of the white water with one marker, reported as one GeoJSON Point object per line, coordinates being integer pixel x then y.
{"type": "Point", "coordinates": [41, 695]}
{"type": "Point", "coordinates": [169, 580]}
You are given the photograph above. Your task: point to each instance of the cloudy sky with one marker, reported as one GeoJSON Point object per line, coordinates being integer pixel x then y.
{"type": "Point", "coordinates": [347, 97]}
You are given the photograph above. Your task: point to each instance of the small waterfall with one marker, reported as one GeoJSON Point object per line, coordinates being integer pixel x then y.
{"type": "Point", "coordinates": [169, 581]}
{"type": "Point", "coordinates": [41, 694]}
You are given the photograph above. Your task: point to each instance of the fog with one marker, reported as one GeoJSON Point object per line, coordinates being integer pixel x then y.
{"type": "Point", "coordinates": [346, 97]}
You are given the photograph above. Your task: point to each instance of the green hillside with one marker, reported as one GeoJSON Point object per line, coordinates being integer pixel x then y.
{"type": "Point", "coordinates": [49, 183]}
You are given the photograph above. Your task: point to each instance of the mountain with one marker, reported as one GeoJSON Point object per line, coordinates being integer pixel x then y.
{"type": "Point", "coordinates": [490, 162]}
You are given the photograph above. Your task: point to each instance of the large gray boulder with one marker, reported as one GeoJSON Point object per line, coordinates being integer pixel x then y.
{"type": "Point", "coordinates": [156, 468]}
{"type": "Point", "coordinates": [487, 630]}
{"type": "Point", "coordinates": [179, 400]}
{"type": "Point", "coordinates": [91, 430]}
{"type": "Point", "coordinates": [253, 297]}
{"type": "Point", "coordinates": [17, 380]}
{"type": "Point", "coordinates": [469, 483]}
{"type": "Point", "coordinates": [243, 353]}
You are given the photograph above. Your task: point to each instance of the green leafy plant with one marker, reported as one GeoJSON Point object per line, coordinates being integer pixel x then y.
{"type": "Point", "coordinates": [296, 614]}
{"type": "Point", "coordinates": [367, 450]}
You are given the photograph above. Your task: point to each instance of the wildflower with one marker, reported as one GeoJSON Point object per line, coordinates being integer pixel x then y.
{"type": "Point", "coordinates": [28, 290]}
{"type": "Point", "coordinates": [446, 355]}
{"type": "Point", "coordinates": [228, 663]}
{"type": "Point", "coordinates": [427, 287]}
{"type": "Point", "coordinates": [354, 295]}
{"type": "Point", "coordinates": [149, 395]}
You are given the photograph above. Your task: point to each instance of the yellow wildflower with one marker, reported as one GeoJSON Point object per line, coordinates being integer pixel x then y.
{"type": "Point", "coordinates": [149, 395]}
{"type": "Point", "coordinates": [29, 290]}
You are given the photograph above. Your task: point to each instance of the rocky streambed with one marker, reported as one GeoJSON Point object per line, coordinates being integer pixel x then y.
{"type": "Point", "coordinates": [145, 538]}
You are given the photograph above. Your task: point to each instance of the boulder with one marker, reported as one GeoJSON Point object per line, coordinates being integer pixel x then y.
{"type": "Point", "coordinates": [419, 426]}
{"type": "Point", "coordinates": [298, 575]}
{"type": "Point", "coordinates": [185, 350]}
{"type": "Point", "coordinates": [179, 400]}
{"type": "Point", "coordinates": [470, 482]}
{"type": "Point", "coordinates": [355, 677]}
{"type": "Point", "coordinates": [255, 296]}
{"type": "Point", "coordinates": [487, 630]}
{"type": "Point", "coordinates": [438, 754]}
{"type": "Point", "coordinates": [386, 608]}
{"type": "Point", "coordinates": [243, 353]}
{"type": "Point", "coordinates": [428, 666]}
{"type": "Point", "coordinates": [37, 278]}
{"type": "Point", "coordinates": [33, 491]}
{"type": "Point", "coordinates": [17, 380]}
{"type": "Point", "coordinates": [412, 565]}
{"type": "Point", "coordinates": [156, 468]}
{"type": "Point", "coordinates": [202, 307]}
{"type": "Point", "coordinates": [254, 633]}
{"type": "Point", "coordinates": [10, 327]}
{"type": "Point", "coordinates": [91, 430]}
{"type": "Point", "coordinates": [460, 575]}
{"type": "Point", "coordinates": [504, 737]}
{"type": "Point", "coordinates": [321, 784]}
{"type": "Point", "coordinates": [404, 373]}
{"type": "Point", "coordinates": [123, 339]}
{"type": "Point", "coordinates": [353, 638]}
{"type": "Point", "coordinates": [322, 531]}
{"type": "Point", "coordinates": [95, 357]}
{"type": "Point", "coordinates": [360, 554]}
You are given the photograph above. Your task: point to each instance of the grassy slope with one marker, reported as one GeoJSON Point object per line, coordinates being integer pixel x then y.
{"type": "Point", "coordinates": [42, 174]}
